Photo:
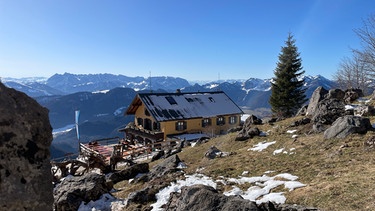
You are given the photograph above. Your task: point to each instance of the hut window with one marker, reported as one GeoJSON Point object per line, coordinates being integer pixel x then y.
{"type": "Point", "coordinates": [156, 126]}
{"type": "Point", "coordinates": [148, 124]}
{"type": "Point", "coordinates": [206, 122]}
{"type": "Point", "coordinates": [220, 121]}
{"type": "Point", "coordinates": [233, 120]}
{"type": "Point", "coordinates": [140, 121]}
{"type": "Point", "coordinates": [181, 125]}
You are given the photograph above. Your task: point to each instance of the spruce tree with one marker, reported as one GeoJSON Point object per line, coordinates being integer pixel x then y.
{"type": "Point", "coordinates": [288, 94]}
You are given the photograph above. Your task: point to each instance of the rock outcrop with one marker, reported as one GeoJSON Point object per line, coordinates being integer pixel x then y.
{"type": "Point", "coordinates": [25, 138]}
{"type": "Point", "coordinates": [347, 125]}
{"type": "Point", "coordinates": [248, 131]}
{"type": "Point", "coordinates": [127, 173]}
{"type": "Point", "coordinates": [328, 110]}
{"type": "Point", "coordinates": [71, 192]}
{"type": "Point", "coordinates": [160, 176]}
{"type": "Point", "coordinates": [316, 97]}
{"type": "Point", "coordinates": [352, 95]}
{"type": "Point", "coordinates": [202, 197]}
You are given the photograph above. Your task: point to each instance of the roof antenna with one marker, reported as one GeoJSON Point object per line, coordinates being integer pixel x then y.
{"type": "Point", "coordinates": [150, 82]}
{"type": "Point", "coordinates": [218, 81]}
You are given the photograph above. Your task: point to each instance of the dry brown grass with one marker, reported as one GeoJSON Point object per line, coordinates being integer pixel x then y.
{"type": "Point", "coordinates": [339, 173]}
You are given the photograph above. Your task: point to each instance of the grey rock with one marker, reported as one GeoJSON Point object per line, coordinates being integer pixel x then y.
{"type": "Point", "coordinates": [247, 133]}
{"type": "Point", "coordinates": [252, 120]}
{"type": "Point", "coordinates": [316, 97]}
{"type": "Point", "coordinates": [201, 197]}
{"type": "Point", "coordinates": [347, 125]}
{"type": "Point", "coordinates": [352, 95]}
{"type": "Point", "coordinates": [302, 111]}
{"type": "Point", "coordinates": [364, 110]}
{"type": "Point", "coordinates": [328, 110]}
{"type": "Point", "coordinates": [212, 152]}
{"type": "Point", "coordinates": [25, 138]}
{"type": "Point", "coordinates": [303, 121]}
{"type": "Point", "coordinates": [72, 191]}
{"type": "Point", "coordinates": [336, 94]}
{"type": "Point", "coordinates": [158, 155]}
{"type": "Point", "coordinates": [127, 173]}
{"type": "Point", "coordinates": [169, 165]}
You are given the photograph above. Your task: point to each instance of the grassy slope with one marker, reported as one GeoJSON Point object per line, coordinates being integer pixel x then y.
{"type": "Point", "coordinates": [339, 173]}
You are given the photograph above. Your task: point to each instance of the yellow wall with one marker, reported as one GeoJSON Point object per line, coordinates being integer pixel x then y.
{"type": "Point", "coordinates": [140, 113]}
{"type": "Point", "coordinates": [193, 125]}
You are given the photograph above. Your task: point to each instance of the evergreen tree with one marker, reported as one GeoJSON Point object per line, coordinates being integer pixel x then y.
{"type": "Point", "coordinates": [288, 94]}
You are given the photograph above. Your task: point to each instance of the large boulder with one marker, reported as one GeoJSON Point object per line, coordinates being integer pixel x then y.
{"type": "Point", "coordinates": [160, 176]}
{"type": "Point", "coordinates": [25, 138]}
{"type": "Point", "coordinates": [201, 197]}
{"type": "Point", "coordinates": [127, 173]}
{"type": "Point", "coordinates": [364, 110]}
{"type": "Point", "coordinates": [327, 111]}
{"type": "Point", "coordinates": [347, 125]}
{"type": "Point", "coordinates": [72, 191]}
{"type": "Point", "coordinates": [252, 120]}
{"type": "Point", "coordinates": [352, 95]}
{"type": "Point", "coordinates": [336, 94]}
{"type": "Point", "coordinates": [316, 97]}
{"type": "Point", "coordinates": [169, 165]}
{"type": "Point", "coordinates": [247, 132]}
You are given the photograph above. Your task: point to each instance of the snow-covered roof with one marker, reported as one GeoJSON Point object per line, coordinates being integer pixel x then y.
{"type": "Point", "coordinates": [177, 106]}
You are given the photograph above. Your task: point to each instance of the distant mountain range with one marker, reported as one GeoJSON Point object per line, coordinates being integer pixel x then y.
{"type": "Point", "coordinates": [103, 98]}
{"type": "Point", "coordinates": [63, 84]}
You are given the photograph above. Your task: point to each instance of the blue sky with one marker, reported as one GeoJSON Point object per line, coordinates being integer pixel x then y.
{"type": "Point", "coordinates": [192, 39]}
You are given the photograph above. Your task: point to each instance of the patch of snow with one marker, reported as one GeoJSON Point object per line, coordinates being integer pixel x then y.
{"type": "Point", "coordinates": [58, 131]}
{"type": "Point", "coordinates": [199, 169]}
{"type": "Point", "coordinates": [261, 146]}
{"type": "Point", "coordinates": [349, 107]}
{"type": "Point", "coordinates": [287, 176]}
{"type": "Point", "coordinates": [181, 165]}
{"type": "Point", "coordinates": [105, 203]}
{"type": "Point", "coordinates": [245, 172]}
{"type": "Point", "coordinates": [278, 151]}
{"type": "Point", "coordinates": [162, 196]}
{"type": "Point", "coordinates": [99, 115]}
{"type": "Point", "coordinates": [101, 91]}
{"type": "Point", "coordinates": [259, 192]}
{"type": "Point", "coordinates": [291, 131]}
{"type": "Point", "coordinates": [277, 198]}
{"type": "Point", "coordinates": [291, 185]}
{"type": "Point", "coordinates": [363, 100]}
{"type": "Point", "coordinates": [263, 187]}
{"type": "Point", "coordinates": [294, 136]}
{"type": "Point", "coordinates": [119, 111]}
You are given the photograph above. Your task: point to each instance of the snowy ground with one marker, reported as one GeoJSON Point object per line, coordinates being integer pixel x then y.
{"type": "Point", "coordinates": [259, 190]}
